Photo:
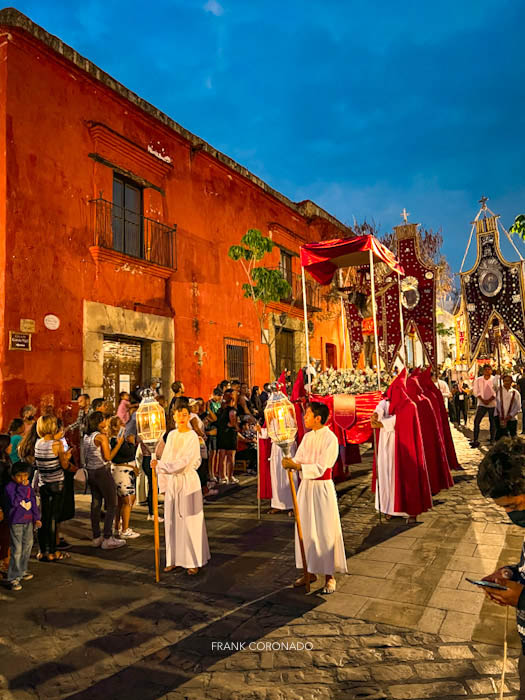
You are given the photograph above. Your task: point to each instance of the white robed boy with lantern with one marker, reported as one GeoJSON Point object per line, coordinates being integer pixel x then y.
{"type": "Point", "coordinates": [319, 546]}
{"type": "Point", "coordinates": [184, 526]}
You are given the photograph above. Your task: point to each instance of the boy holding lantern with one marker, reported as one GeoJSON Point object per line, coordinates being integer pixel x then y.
{"type": "Point", "coordinates": [317, 500]}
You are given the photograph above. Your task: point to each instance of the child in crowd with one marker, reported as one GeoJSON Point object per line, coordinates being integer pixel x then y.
{"type": "Point", "coordinates": [123, 407]}
{"type": "Point", "coordinates": [5, 478]}
{"type": "Point", "coordinates": [24, 516]}
{"type": "Point", "coordinates": [16, 431]}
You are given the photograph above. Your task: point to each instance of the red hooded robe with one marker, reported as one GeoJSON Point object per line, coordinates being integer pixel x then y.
{"type": "Point", "coordinates": [412, 486]}
{"type": "Point", "coordinates": [430, 389]}
{"type": "Point", "coordinates": [435, 453]}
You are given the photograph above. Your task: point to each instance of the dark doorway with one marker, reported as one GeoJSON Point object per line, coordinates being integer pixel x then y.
{"type": "Point", "coordinates": [284, 350]}
{"type": "Point", "coordinates": [122, 367]}
{"type": "Point", "coordinates": [331, 355]}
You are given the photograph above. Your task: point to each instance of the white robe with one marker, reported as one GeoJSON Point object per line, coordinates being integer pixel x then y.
{"type": "Point", "coordinates": [184, 527]}
{"type": "Point", "coordinates": [386, 461]}
{"type": "Point", "coordinates": [281, 493]}
{"type": "Point", "coordinates": [318, 508]}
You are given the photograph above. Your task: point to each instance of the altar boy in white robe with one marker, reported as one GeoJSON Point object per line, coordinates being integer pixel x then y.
{"type": "Point", "coordinates": [317, 500]}
{"type": "Point", "coordinates": [184, 526]}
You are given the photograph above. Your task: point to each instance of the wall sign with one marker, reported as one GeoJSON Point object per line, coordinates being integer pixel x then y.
{"type": "Point", "coordinates": [19, 341]}
{"type": "Point", "coordinates": [27, 325]}
{"type": "Point", "coordinates": [51, 322]}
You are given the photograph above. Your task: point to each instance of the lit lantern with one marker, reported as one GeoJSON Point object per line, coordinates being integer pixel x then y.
{"type": "Point", "coordinates": [280, 421]}
{"type": "Point", "coordinates": [151, 419]}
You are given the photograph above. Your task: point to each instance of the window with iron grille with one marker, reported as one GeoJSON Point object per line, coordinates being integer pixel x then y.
{"type": "Point", "coordinates": [238, 359]}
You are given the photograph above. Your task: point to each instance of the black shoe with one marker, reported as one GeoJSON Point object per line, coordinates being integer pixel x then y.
{"type": "Point", "coordinates": [63, 544]}
{"type": "Point", "coordinates": [474, 444]}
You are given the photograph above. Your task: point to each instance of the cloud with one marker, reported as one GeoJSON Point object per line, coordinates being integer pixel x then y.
{"type": "Point", "coordinates": [214, 7]}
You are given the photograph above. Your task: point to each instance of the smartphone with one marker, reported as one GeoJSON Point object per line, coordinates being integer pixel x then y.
{"type": "Point", "coordinates": [487, 584]}
{"type": "Point", "coordinates": [121, 432]}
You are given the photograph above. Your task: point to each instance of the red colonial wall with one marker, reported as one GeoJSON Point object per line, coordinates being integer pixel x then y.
{"type": "Point", "coordinates": [57, 115]}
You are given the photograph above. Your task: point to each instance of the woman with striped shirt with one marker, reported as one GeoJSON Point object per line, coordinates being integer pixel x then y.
{"type": "Point", "coordinates": [50, 461]}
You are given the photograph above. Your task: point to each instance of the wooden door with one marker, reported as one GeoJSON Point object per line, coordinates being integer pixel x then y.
{"type": "Point", "coordinates": [284, 351]}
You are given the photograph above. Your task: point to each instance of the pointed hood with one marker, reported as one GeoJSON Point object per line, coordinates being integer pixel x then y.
{"type": "Point", "coordinates": [400, 379]}
{"type": "Point", "coordinates": [298, 391]}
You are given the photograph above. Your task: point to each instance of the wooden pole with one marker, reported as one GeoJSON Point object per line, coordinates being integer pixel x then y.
{"type": "Point", "coordinates": [374, 440]}
{"type": "Point", "coordinates": [299, 530]}
{"type": "Point", "coordinates": [258, 480]}
{"type": "Point", "coordinates": [155, 499]}
{"type": "Point", "coordinates": [374, 315]}
{"type": "Point", "coordinates": [306, 339]}
{"type": "Point", "coordinates": [401, 321]}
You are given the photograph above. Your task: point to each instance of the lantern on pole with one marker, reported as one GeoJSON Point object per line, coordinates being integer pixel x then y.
{"type": "Point", "coordinates": [151, 426]}
{"type": "Point", "coordinates": [280, 421]}
{"type": "Point", "coordinates": [282, 429]}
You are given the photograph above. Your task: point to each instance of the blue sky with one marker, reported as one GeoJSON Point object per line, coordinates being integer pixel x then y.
{"type": "Point", "coordinates": [364, 106]}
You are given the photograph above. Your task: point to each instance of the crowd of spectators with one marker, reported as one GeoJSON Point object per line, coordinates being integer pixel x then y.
{"type": "Point", "coordinates": [101, 451]}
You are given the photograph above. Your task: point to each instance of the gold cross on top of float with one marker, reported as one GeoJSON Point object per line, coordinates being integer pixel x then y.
{"type": "Point", "coordinates": [483, 201]}
{"type": "Point", "coordinates": [405, 214]}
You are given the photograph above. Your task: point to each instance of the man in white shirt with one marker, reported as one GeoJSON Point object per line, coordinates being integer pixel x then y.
{"type": "Point", "coordinates": [443, 387]}
{"type": "Point", "coordinates": [508, 405]}
{"type": "Point", "coordinates": [483, 390]}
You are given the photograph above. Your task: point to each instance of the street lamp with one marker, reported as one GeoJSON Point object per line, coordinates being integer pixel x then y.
{"type": "Point", "coordinates": [151, 426]}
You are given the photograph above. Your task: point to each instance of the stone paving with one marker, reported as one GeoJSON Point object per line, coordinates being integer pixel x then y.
{"type": "Point", "coordinates": [404, 623]}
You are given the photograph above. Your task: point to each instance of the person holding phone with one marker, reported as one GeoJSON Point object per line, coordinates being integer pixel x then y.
{"type": "Point", "coordinates": [501, 476]}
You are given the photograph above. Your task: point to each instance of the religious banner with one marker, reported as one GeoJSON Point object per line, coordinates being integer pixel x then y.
{"type": "Point", "coordinates": [354, 323]}
{"type": "Point", "coordinates": [461, 335]}
{"type": "Point", "coordinates": [492, 289]}
{"type": "Point", "coordinates": [344, 410]}
{"type": "Point", "coordinates": [418, 299]}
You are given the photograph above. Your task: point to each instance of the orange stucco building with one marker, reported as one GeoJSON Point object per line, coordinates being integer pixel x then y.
{"type": "Point", "coordinates": [115, 224]}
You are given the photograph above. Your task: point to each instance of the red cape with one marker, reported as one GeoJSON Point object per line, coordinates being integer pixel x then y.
{"type": "Point", "coordinates": [430, 389]}
{"type": "Point", "coordinates": [412, 486]}
{"type": "Point", "coordinates": [435, 453]}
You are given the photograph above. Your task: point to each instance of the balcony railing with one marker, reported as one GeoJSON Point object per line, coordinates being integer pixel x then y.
{"type": "Point", "coordinates": [125, 231]}
{"type": "Point", "coordinates": [313, 291]}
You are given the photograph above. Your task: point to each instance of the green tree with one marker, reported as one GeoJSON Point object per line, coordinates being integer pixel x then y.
{"type": "Point", "coordinates": [265, 285]}
{"type": "Point", "coordinates": [519, 226]}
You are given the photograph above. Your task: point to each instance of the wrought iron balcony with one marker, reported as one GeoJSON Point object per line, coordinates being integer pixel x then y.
{"type": "Point", "coordinates": [127, 232]}
{"type": "Point", "coordinates": [313, 291]}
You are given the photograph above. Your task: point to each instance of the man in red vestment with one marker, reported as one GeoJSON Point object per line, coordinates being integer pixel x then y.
{"type": "Point", "coordinates": [435, 453]}
{"type": "Point", "coordinates": [409, 480]}
{"type": "Point", "coordinates": [430, 389]}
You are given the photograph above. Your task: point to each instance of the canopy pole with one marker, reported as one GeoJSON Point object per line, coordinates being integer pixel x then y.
{"type": "Point", "coordinates": [343, 330]}
{"type": "Point", "coordinates": [401, 321]}
{"type": "Point", "coordinates": [374, 316]}
{"type": "Point", "coordinates": [307, 342]}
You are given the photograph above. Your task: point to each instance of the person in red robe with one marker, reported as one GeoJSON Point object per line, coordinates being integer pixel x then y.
{"type": "Point", "coordinates": [410, 481]}
{"type": "Point", "coordinates": [435, 453]}
{"type": "Point", "coordinates": [430, 389]}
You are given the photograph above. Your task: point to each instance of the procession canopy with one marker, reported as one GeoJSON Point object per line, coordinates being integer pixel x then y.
{"type": "Point", "coordinates": [492, 288]}
{"type": "Point", "coordinates": [324, 258]}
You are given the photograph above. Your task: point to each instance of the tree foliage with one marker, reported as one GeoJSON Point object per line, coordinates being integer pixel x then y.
{"type": "Point", "coordinates": [518, 226]}
{"type": "Point", "coordinates": [265, 284]}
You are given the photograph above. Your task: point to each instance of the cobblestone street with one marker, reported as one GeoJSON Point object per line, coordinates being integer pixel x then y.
{"type": "Point", "coordinates": [403, 624]}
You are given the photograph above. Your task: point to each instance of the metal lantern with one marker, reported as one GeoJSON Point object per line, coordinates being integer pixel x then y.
{"type": "Point", "coordinates": [151, 419]}
{"type": "Point", "coordinates": [280, 421]}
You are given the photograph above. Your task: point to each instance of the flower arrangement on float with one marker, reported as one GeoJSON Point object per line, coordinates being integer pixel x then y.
{"type": "Point", "coordinates": [348, 381]}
